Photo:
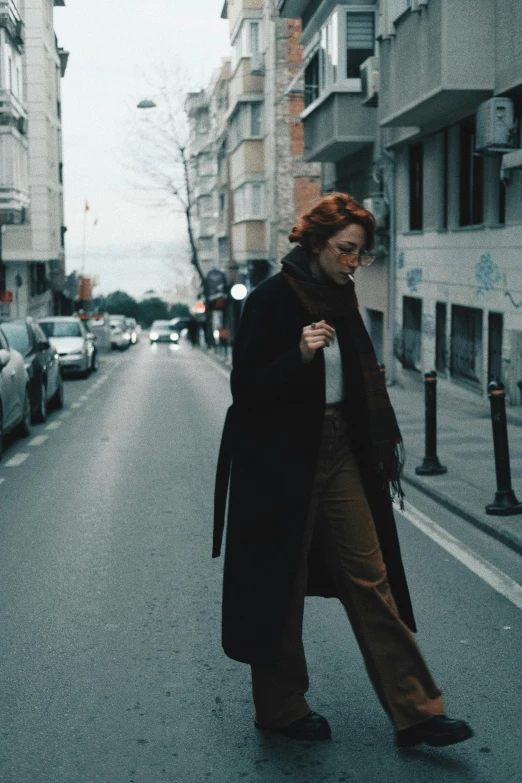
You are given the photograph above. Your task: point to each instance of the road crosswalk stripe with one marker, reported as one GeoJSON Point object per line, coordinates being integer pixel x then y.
{"type": "Point", "coordinates": [489, 573]}
{"type": "Point", "coordinates": [17, 460]}
{"type": "Point", "coordinates": [54, 425]}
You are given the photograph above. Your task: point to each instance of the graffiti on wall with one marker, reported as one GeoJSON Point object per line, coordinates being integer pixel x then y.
{"type": "Point", "coordinates": [487, 274]}
{"type": "Point", "coordinates": [413, 278]}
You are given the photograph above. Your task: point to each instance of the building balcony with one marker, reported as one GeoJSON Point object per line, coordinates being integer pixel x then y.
{"type": "Point", "coordinates": [11, 19]}
{"type": "Point", "coordinates": [439, 64]}
{"type": "Point", "coordinates": [338, 126]}
{"type": "Point", "coordinates": [14, 185]}
{"type": "Point", "coordinates": [244, 83]}
{"type": "Point", "coordinates": [12, 111]}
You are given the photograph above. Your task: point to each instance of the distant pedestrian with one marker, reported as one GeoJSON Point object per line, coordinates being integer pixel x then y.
{"type": "Point", "coordinates": [314, 449]}
{"type": "Point", "coordinates": [193, 332]}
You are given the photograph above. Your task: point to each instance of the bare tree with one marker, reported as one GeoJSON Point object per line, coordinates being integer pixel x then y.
{"type": "Point", "coordinates": [159, 159]}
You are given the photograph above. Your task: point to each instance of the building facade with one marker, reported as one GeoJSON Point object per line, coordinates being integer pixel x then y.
{"type": "Point", "coordinates": [33, 240]}
{"type": "Point", "coordinates": [450, 106]}
{"type": "Point", "coordinates": [415, 105]}
{"type": "Point", "coordinates": [341, 133]}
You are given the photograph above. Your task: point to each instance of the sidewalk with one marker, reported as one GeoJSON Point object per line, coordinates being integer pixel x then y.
{"type": "Point", "coordinates": [465, 448]}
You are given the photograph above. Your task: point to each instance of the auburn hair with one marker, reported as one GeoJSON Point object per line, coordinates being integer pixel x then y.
{"type": "Point", "coordinates": [329, 216]}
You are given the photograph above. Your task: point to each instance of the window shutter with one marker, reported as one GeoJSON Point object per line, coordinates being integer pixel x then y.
{"type": "Point", "coordinates": [359, 31]}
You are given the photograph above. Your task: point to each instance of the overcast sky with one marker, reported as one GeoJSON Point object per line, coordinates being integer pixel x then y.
{"type": "Point", "coordinates": [111, 44]}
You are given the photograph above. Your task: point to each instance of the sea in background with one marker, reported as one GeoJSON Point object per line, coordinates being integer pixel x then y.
{"type": "Point", "coordinates": [137, 268]}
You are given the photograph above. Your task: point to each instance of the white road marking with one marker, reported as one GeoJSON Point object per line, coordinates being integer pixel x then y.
{"type": "Point", "coordinates": [17, 460]}
{"type": "Point", "coordinates": [76, 405]}
{"type": "Point", "coordinates": [54, 425]}
{"type": "Point", "coordinates": [65, 415]}
{"type": "Point", "coordinates": [83, 397]}
{"type": "Point", "coordinates": [38, 440]}
{"type": "Point", "coordinates": [2, 480]}
{"type": "Point", "coordinates": [493, 576]}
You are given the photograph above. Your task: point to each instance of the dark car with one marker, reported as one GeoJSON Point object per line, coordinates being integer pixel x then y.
{"type": "Point", "coordinates": [41, 362]}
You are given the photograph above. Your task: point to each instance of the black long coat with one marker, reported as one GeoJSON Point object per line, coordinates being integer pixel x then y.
{"type": "Point", "coordinates": [271, 441]}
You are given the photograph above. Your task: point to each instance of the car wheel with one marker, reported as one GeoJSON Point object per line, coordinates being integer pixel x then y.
{"type": "Point", "coordinates": [24, 427]}
{"type": "Point", "coordinates": [41, 411]}
{"type": "Point", "coordinates": [58, 398]}
{"type": "Point", "coordinates": [95, 366]}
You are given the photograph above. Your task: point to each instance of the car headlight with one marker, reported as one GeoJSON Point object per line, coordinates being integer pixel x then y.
{"type": "Point", "coordinates": [174, 336]}
{"type": "Point", "coordinates": [154, 335]}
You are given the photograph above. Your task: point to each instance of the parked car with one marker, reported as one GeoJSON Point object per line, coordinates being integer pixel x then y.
{"type": "Point", "coordinates": [120, 332]}
{"type": "Point", "coordinates": [163, 332]}
{"type": "Point", "coordinates": [99, 325]}
{"type": "Point", "coordinates": [75, 344]}
{"type": "Point", "coordinates": [15, 402]}
{"type": "Point", "coordinates": [41, 362]}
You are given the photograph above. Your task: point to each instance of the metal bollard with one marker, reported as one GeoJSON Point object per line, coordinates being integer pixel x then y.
{"type": "Point", "coordinates": [430, 464]}
{"type": "Point", "coordinates": [505, 501]}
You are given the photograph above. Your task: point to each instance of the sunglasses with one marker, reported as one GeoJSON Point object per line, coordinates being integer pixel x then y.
{"type": "Point", "coordinates": [365, 258]}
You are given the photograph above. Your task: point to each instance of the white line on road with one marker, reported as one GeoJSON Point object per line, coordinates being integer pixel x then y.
{"type": "Point", "coordinates": [65, 415]}
{"type": "Point", "coordinates": [83, 397]}
{"type": "Point", "coordinates": [38, 440]}
{"type": "Point", "coordinates": [493, 576]}
{"type": "Point", "coordinates": [76, 405]}
{"type": "Point", "coordinates": [17, 460]}
{"type": "Point", "coordinates": [54, 425]}
{"type": "Point", "coordinates": [2, 480]}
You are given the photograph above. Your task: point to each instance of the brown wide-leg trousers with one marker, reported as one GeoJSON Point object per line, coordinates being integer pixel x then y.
{"type": "Point", "coordinates": [341, 525]}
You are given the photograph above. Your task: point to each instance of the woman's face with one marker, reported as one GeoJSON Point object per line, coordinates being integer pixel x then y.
{"type": "Point", "coordinates": [325, 263]}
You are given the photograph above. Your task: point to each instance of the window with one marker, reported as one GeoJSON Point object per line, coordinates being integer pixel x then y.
{"type": "Point", "coordinates": [247, 41]}
{"type": "Point", "coordinates": [223, 250]}
{"type": "Point", "coordinates": [440, 338]}
{"type": "Point", "coordinates": [471, 177]}
{"type": "Point", "coordinates": [411, 332]}
{"type": "Point", "coordinates": [416, 186]}
{"type": "Point", "coordinates": [246, 123]}
{"type": "Point", "coordinates": [466, 343]}
{"type": "Point", "coordinates": [205, 165]}
{"type": "Point", "coordinates": [445, 177]}
{"type": "Point", "coordinates": [249, 201]}
{"type": "Point", "coordinates": [39, 283]}
{"type": "Point", "coordinates": [202, 122]}
{"type": "Point", "coordinates": [18, 336]}
{"type": "Point", "coordinates": [360, 41]}
{"type": "Point", "coordinates": [205, 206]}
{"type": "Point", "coordinates": [311, 78]}
{"type": "Point", "coordinates": [222, 206]}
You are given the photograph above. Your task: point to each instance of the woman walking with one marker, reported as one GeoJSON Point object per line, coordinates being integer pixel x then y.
{"type": "Point", "coordinates": [316, 456]}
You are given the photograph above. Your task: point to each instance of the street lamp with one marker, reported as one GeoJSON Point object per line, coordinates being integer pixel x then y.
{"type": "Point", "coordinates": [238, 291]}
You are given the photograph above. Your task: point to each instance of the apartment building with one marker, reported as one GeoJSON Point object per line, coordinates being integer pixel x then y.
{"type": "Point", "coordinates": [269, 179]}
{"type": "Point", "coordinates": [415, 105]}
{"type": "Point", "coordinates": [14, 163]}
{"type": "Point", "coordinates": [341, 133]}
{"type": "Point", "coordinates": [450, 105]}
{"type": "Point", "coordinates": [33, 240]}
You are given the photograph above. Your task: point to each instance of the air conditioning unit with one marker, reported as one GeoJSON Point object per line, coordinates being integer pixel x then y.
{"type": "Point", "coordinates": [496, 127]}
{"type": "Point", "coordinates": [378, 206]}
{"type": "Point", "coordinates": [370, 81]}
{"type": "Point", "coordinates": [257, 64]}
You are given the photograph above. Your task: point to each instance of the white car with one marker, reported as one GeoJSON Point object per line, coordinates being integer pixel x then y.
{"type": "Point", "coordinates": [120, 332]}
{"type": "Point", "coordinates": [73, 343]}
{"type": "Point", "coordinates": [15, 402]}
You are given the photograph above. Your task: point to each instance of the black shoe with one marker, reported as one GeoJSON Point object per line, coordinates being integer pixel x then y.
{"type": "Point", "coordinates": [436, 731]}
{"type": "Point", "coordinates": [312, 727]}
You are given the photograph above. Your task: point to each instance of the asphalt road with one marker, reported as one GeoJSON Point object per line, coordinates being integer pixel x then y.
{"type": "Point", "coordinates": [112, 668]}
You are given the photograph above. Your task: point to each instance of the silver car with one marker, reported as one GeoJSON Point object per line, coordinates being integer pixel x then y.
{"type": "Point", "coordinates": [73, 343]}
{"type": "Point", "coordinates": [15, 402]}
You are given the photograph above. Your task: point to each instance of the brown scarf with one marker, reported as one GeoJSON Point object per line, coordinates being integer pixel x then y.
{"type": "Point", "coordinates": [324, 300]}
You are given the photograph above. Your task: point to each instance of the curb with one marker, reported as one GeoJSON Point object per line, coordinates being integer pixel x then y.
{"type": "Point", "coordinates": [506, 537]}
